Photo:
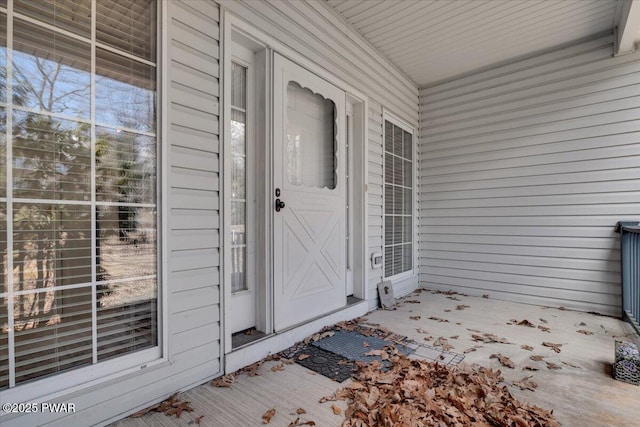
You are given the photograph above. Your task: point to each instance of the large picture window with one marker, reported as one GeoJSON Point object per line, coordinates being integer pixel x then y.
{"type": "Point", "coordinates": [78, 180]}
{"type": "Point", "coordinates": [398, 199]}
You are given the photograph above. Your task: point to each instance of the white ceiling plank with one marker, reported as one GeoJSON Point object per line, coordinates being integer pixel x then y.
{"type": "Point", "coordinates": [628, 27]}
{"type": "Point", "coordinates": [416, 31]}
{"type": "Point", "coordinates": [433, 41]}
{"type": "Point", "coordinates": [391, 14]}
{"type": "Point", "coordinates": [515, 23]}
{"type": "Point", "coordinates": [355, 7]}
{"type": "Point", "coordinates": [549, 32]}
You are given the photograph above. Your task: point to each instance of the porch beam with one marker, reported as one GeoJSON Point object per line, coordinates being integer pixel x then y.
{"type": "Point", "coordinates": [628, 27]}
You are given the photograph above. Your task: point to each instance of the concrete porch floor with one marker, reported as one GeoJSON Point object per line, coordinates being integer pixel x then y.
{"type": "Point", "coordinates": [582, 393]}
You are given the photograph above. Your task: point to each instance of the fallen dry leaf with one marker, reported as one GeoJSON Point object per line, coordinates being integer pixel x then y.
{"type": "Point", "coordinates": [530, 368]}
{"type": "Point", "coordinates": [300, 411]}
{"type": "Point", "coordinates": [172, 406]}
{"type": "Point", "coordinates": [544, 328]}
{"type": "Point", "coordinates": [537, 358]}
{"type": "Point", "coordinates": [304, 356]}
{"type": "Point", "coordinates": [504, 360]}
{"type": "Point", "coordinates": [266, 417]}
{"type": "Point", "coordinates": [571, 364]}
{"type": "Point", "coordinates": [438, 319]}
{"type": "Point", "coordinates": [442, 343]}
{"type": "Point", "coordinates": [462, 307]}
{"type": "Point", "coordinates": [224, 381]}
{"type": "Point", "coordinates": [543, 320]}
{"type": "Point", "coordinates": [526, 384]}
{"type": "Point", "coordinates": [584, 331]}
{"type": "Point", "coordinates": [412, 301]}
{"type": "Point", "coordinates": [374, 352]}
{"type": "Point", "coordinates": [526, 347]}
{"type": "Point", "coordinates": [582, 324]}
{"type": "Point", "coordinates": [454, 298]}
{"type": "Point", "coordinates": [485, 296]}
{"type": "Point", "coordinates": [554, 347]}
{"type": "Point", "coordinates": [298, 422]}
{"type": "Point", "coordinates": [252, 370]}
{"type": "Point", "coordinates": [551, 365]}
{"type": "Point", "coordinates": [414, 317]}
{"type": "Point", "coordinates": [474, 348]}
{"type": "Point", "coordinates": [418, 392]}
{"type": "Point", "coordinates": [336, 409]}
{"type": "Point", "coordinates": [489, 338]}
{"type": "Point", "coordinates": [454, 337]}
{"type": "Point", "coordinates": [447, 311]}
{"type": "Point", "coordinates": [198, 419]}
{"type": "Point", "coordinates": [524, 322]}
{"type": "Point", "coordinates": [279, 367]}
{"type": "Point", "coordinates": [421, 331]}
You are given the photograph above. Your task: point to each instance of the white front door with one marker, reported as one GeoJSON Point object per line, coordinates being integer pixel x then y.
{"type": "Point", "coordinates": [309, 195]}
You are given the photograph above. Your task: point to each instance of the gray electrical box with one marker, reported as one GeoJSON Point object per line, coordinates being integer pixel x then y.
{"type": "Point", "coordinates": [376, 260]}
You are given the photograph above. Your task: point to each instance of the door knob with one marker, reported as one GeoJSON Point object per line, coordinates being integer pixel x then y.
{"type": "Point", "coordinates": [279, 205]}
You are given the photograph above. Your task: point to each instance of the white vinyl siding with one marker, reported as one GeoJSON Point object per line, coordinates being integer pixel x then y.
{"type": "Point", "coordinates": [525, 170]}
{"type": "Point", "coordinates": [375, 212]}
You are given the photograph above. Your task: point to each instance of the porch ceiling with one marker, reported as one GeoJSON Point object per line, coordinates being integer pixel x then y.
{"type": "Point", "coordinates": [436, 40]}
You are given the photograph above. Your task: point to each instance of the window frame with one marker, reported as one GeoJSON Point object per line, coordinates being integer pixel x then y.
{"type": "Point", "coordinates": [137, 362]}
{"type": "Point", "coordinates": [412, 273]}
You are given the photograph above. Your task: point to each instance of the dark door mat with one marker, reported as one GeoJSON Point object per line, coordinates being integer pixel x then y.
{"type": "Point", "coordinates": [326, 363]}
{"type": "Point", "coordinates": [354, 346]}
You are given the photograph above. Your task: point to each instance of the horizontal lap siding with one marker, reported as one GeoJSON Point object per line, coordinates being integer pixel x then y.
{"type": "Point", "coordinates": [376, 192]}
{"type": "Point", "coordinates": [314, 31]}
{"type": "Point", "coordinates": [194, 241]}
{"type": "Point", "coordinates": [524, 171]}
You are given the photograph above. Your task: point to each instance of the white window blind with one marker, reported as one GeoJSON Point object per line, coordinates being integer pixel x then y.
{"type": "Point", "coordinates": [78, 213]}
{"type": "Point", "coordinates": [398, 199]}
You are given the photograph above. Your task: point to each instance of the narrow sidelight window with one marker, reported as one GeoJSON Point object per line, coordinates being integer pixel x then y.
{"type": "Point", "coordinates": [398, 199]}
{"type": "Point", "coordinates": [238, 178]}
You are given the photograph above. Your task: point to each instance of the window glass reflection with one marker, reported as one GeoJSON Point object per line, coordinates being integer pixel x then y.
{"type": "Point", "coordinates": [51, 245]}
{"type": "Point", "coordinates": [52, 332]}
{"type": "Point", "coordinates": [127, 317]}
{"type": "Point", "coordinates": [125, 166]}
{"type": "Point", "coordinates": [4, 345]}
{"type": "Point", "coordinates": [3, 249]}
{"type": "Point", "coordinates": [51, 158]}
{"type": "Point", "coordinates": [126, 245]}
{"type": "Point", "coordinates": [3, 57]}
{"type": "Point", "coordinates": [51, 72]}
{"type": "Point", "coordinates": [3, 152]}
{"type": "Point", "coordinates": [128, 25]}
{"type": "Point", "coordinates": [70, 15]}
{"type": "Point", "coordinates": [125, 92]}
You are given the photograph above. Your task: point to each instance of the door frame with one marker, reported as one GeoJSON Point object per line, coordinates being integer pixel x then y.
{"type": "Point", "coordinates": [233, 25]}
